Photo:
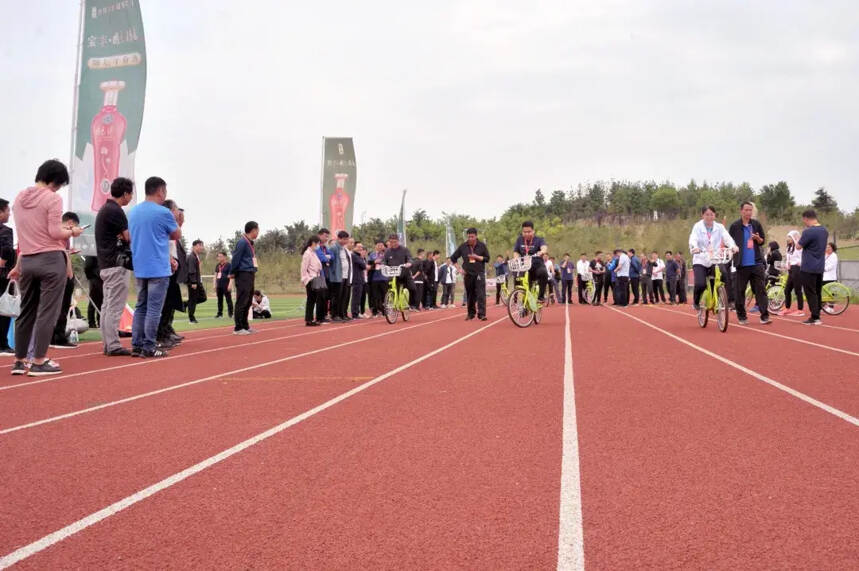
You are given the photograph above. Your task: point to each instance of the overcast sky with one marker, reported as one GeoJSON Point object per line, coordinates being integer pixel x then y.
{"type": "Point", "coordinates": [471, 105]}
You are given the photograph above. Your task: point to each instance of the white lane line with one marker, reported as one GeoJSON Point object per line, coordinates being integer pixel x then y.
{"type": "Point", "coordinates": [144, 362]}
{"type": "Point", "coordinates": [761, 331]}
{"type": "Point", "coordinates": [792, 392]}
{"type": "Point", "coordinates": [213, 377]}
{"type": "Point", "coordinates": [571, 551]}
{"type": "Point", "coordinates": [28, 550]}
{"type": "Point", "coordinates": [826, 325]}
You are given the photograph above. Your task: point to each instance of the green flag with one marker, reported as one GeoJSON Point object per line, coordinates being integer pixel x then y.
{"type": "Point", "coordinates": [109, 105]}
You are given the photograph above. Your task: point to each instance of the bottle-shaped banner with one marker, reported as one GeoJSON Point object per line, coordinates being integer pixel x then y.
{"type": "Point", "coordinates": [108, 131]}
{"type": "Point", "coordinates": [338, 204]}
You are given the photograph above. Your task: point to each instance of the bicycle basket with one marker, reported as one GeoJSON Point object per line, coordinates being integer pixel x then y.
{"type": "Point", "coordinates": [721, 256]}
{"type": "Point", "coordinates": [391, 271]}
{"type": "Point", "coordinates": [519, 264]}
{"type": "Point", "coordinates": [781, 266]}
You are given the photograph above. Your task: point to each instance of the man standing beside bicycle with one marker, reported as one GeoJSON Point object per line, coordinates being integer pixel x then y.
{"type": "Point", "coordinates": [397, 255]}
{"type": "Point", "coordinates": [748, 234]}
{"type": "Point", "coordinates": [474, 254]}
{"type": "Point", "coordinates": [529, 244]}
{"type": "Point", "coordinates": [708, 236]}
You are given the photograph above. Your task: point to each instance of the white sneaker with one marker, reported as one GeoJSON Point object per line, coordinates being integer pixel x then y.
{"type": "Point", "coordinates": [242, 332]}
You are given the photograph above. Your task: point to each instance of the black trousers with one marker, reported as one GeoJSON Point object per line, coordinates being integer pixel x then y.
{"type": "Point", "coordinates": [96, 296]}
{"type": "Point", "coordinates": [622, 291]}
{"type": "Point", "coordinates": [728, 278]}
{"type": "Point", "coordinates": [419, 295]}
{"type": "Point", "coordinates": [378, 288]}
{"type": "Point", "coordinates": [224, 294]}
{"type": "Point", "coordinates": [658, 291]}
{"type": "Point", "coordinates": [359, 297]}
{"type": "Point", "coordinates": [262, 314]}
{"type": "Point", "coordinates": [333, 300]}
{"type": "Point", "coordinates": [498, 292]}
{"type": "Point", "coordinates": [634, 284]}
{"type": "Point", "coordinates": [755, 276]}
{"type": "Point", "coordinates": [539, 273]}
{"type": "Point", "coordinates": [59, 335]}
{"type": "Point", "coordinates": [447, 294]}
{"type": "Point", "coordinates": [568, 290]}
{"type": "Point", "coordinates": [606, 286]}
{"type": "Point", "coordinates": [475, 286]}
{"type": "Point", "coordinates": [343, 297]}
{"type": "Point", "coordinates": [598, 288]}
{"type": "Point", "coordinates": [244, 294]}
{"type": "Point", "coordinates": [4, 321]}
{"type": "Point", "coordinates": [812, 286]}
{"type": "Point", "coordinates": [430, 294]}
{"type": "Point", "coordinates": [310, 304]}
{"type": "Point", "coordinates": [192, 301]}
{"type": "Point", "coordinates": [671, 286]}
{"type": "Point", "coordinates": [794, 284]}
{"type": "Point", "coordinates": [681, 288]}
{"type": "Point", "coordinates": [702, 273]}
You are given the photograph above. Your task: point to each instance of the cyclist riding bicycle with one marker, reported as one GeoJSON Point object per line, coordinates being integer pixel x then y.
{"type": "Point", "coordinates": [529, 244]}
{"type": "Point", "coordinates": [397, 255]}
{"type": "Point", "coordinates": [707, 236]}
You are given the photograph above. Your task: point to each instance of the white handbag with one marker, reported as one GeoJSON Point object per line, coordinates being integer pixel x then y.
{"type": "Point", "coordinates": [10, 304]}
{"type": "Point", "coordinates": [75, 323]}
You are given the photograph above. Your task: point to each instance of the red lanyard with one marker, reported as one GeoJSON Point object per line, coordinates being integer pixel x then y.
{"type": "Point", "coordinates": [527, 245]}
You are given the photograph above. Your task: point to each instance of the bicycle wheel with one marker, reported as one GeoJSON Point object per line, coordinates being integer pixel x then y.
{"type": "Point", "coordinates": [589, 295]}
{"type": "Point", "coordinates": [505, 295]}
{"type": "Point", "coordinates": [722, 312]}
{"type": "Point", "coordinates": [518, 310]}
{"type": "Point", "coordinates": [775, 294]}
{"type": "Point", "coordinates": [405, 308]}
{"type": "Point", "coordinates": [391, 311]}
{"type": "Point", "coordinates": [703, 311]}
{"type": "Point", "coordinates": [835, 299]}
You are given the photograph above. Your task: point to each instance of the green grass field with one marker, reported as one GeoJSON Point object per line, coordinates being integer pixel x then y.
{"type": "Point", "coordinates": [282, 307]}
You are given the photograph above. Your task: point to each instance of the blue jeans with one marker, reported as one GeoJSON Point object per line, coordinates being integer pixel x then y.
{"type": "Point", "coordinates": [147, 314]}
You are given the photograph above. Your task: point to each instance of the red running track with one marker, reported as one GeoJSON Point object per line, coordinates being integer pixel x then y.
{"type": "Point", "coordinates": [438, 443]}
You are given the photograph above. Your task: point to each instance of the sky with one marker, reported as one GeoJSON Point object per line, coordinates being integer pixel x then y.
{"type": "Point", "coordinates": [470, 105]}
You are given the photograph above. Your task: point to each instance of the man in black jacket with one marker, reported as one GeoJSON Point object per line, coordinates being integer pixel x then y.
{"type": "Point", "coordinates": [167, 336]}
{"type": "Point", "coordinates": [359, 282]}
{"type": "Point", "coordinates": [749, 261]}
{"type": "Point", "coordinates": [397, 255]}
{"type": "Point", "coordinates": [194, 279]}
{"type": "Point", "coordinates": [474, 254]}
{"type": "Point", "coordinates": [431, 280]}
{"type": "Point", "coordinates": [7, 262]}
{"type": "Point", "coordinates": [418, 269]}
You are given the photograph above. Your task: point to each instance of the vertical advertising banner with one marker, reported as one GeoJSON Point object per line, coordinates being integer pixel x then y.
{"type": "Point", "coordinates": [339, 172]}
{"type": "Point", "coordinates": [450, 240]}
{"type": "Point", "coordinates": [109, 109]}
{"type": "Point", "coordinates": [401, 222]}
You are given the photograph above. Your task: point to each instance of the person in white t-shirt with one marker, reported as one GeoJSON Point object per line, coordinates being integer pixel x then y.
{"type": "Point", "coordinates": [658, 278]}
{"type": "Point", "coordinates": [830, 264]}
{"type": "Point", "coordinates": [261, 306]}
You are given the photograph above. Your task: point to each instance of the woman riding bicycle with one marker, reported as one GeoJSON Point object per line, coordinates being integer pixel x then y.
{"type": "Point", "coordinates": [707, 236]}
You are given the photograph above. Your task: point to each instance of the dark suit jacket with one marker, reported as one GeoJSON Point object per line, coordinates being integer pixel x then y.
{"type": "Point", "coordinates": [7, 249]}
{"type": "Point", "coordinates": [359, 264]}
{"type": "Point", "coordinates": [736, 232]}
{"type": "Point", "coordinates": [194, 276]}
{"type": "Point", "coordinates": [182, 272]}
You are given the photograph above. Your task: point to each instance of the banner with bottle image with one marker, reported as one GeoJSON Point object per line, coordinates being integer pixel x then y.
{"type": "Point", "coordinates": [109, 110]}
{"type": "Point", "coordinates": [339, 172]}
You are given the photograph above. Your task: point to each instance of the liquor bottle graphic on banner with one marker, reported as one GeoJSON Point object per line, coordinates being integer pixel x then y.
{"type": "Point", "coordinates": [339, 203]}
{"type": "Point", "coordinates": [108, 130]}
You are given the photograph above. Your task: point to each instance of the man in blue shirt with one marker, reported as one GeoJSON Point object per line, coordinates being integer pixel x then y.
{"type": "Point", "coordinates": [749, 261]}
{"type": "Point", "coordinates": [243, 268]}
{"type": "Point", "coordinates": [813, 245]}
{"type": "Point", "coordinates": [151, 227]}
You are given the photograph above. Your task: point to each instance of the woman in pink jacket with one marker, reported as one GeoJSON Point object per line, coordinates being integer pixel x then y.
{"type": "Point", "coordinates": [311, 267]}
{"type": "Point", "coordinates": [43, 266]}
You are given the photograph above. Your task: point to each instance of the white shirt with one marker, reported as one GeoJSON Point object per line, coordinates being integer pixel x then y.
{"type": "Point", "coordinates": [345, 264]}
{"type": "Point", "coordinates": [449, 276]}
{"type": "Point", "coordinates": [622, 266]}
{"type": "Point", "coordinates": [794, 258]}
{"type": "Point", "coordinates": [583, 268]}
{"type": "Point", "coordinates": [658, 269]}
{"type": "Point", "coordinates": [830, 267]}
{"type": "Point", "coordinates": [550, 267]}
{"type": "Point", "coordinates": [263, 304]}
{"type": "Point", "coordinates": [705, 241]}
